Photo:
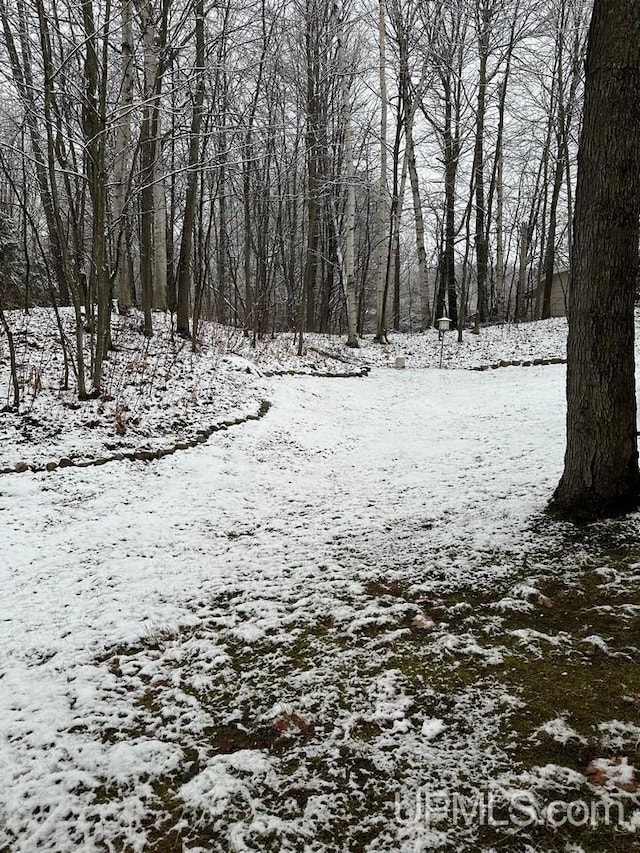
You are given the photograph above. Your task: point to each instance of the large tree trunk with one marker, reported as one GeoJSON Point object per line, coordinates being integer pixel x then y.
{"type": "Point", "coordinates": [601, 475]}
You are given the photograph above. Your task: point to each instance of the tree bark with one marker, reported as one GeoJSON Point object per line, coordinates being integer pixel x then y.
{"type": "Point", "coordinates": [184, 263]}
{"type": "Point", "coordinates": [124, 285]}
{"type": "Point", "coordinates": [382, 200]}
{"type": "Point", "coordinates": [421, 252]}
{"type": "Point", "coordinates": [520, 313]}
{"type": "Point", "coordinates": [601, 475]}
{"type": "Point", "coordinates": [159, 233]}
{"type": "Point", "coordinates": [483, 14]}
{"type": "Point", "coordinates": [148, 145]}
{"type": "Point", "coordinates": [348, 263]}
{"type": "Point", "coordinates": [451, 152]}
{"type": "Point", "coordinates": [94, 122]}
{"type": "Point", "coordinates": [12, 359]}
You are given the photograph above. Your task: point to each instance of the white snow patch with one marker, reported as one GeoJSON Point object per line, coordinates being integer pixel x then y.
{"type": "Point", "coordinates": [560, 731]}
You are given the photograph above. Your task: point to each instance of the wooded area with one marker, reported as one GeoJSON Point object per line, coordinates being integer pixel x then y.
{"type": "Point", "coordinates": [265, 592]}
{"type": "Point", "coordinates": [303, 166]}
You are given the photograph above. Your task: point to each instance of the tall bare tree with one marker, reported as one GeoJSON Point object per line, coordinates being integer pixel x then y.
{"type": "Point", "coordinates": [382, 200]}
{"type": "Point", "coordinates": [184, 276]}
{"type": "Point", "coordinates": [348, 265]}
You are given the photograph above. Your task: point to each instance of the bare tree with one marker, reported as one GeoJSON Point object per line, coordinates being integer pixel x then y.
{"type": "Point", "coordinates": [121, 167]}
{"type": "Point", "coordinates": [383, 192]}
{"type": "Point", "coordinates": [186, 242]}
{"type": "Point", "coordinates": [348, 263]}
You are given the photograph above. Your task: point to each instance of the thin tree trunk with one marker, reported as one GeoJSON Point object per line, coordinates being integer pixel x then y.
{"type": "Point", "coordinates": [448, 287]}
{"type": "Point", "coordinates": [12, 359]}
{"type": "Point", "coordinates": [550, 251]}
{"type": "Point", "coordinates": [313, 170]}
{"type": "Point", "coordinates": [521, 305]}
{"type": "Point", "coordinates": [159, 235]}
{"type": "Point", "coordinates": [123, 284]}
{"type": "Point", "coordinates": [148, 154]}
{"type": "Point", "coordinates": [222, 251]}
{"type": "Point", "coordinates": [350, 209]}
{"type": "Point", "coordinates": [186, 243]}
{"type": "Point", "coordinates": [94, 125]}
{"type": "Point", "coordinates": [423, 273]}
{"type": "Point", "coordinates": [382, 200]}
{"type": "Point", "coordinates": [500, 295]}
{"type": "Point", "coordinates": [482, 249]}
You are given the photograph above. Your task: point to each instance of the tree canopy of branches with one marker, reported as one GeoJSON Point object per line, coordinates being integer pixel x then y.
{"type": "Point", "coordinates": [249, 162]}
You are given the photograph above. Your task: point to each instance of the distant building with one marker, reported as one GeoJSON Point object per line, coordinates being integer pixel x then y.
{"type": "Point", "coordinates": [559, 294]}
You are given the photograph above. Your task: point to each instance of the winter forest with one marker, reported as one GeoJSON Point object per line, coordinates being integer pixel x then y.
{"type": "Point", "coordinates": [311, 166]}
{"type": "Point", "coordinates": [319, 478]}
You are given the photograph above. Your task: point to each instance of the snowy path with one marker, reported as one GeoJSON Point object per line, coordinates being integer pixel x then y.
{"type": "Point", "coordinates": [277, 522]}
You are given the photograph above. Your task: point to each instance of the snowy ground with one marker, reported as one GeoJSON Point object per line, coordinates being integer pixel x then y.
{"type": "Point", "coordinates": [284, 638]}
{"type": "Point", "coordinates": [157, 392]}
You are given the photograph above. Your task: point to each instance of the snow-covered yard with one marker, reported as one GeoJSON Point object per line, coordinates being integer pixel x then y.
{"type": "Point", "coordinates": [321, 630]}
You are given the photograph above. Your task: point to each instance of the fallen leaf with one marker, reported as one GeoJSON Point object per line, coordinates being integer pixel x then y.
{"type": "Point", "coordinates": [291, 724]}
{"type": "Point", "coordinates": [613, 773]}
{"type": "Point", "coordinates": [422, 622]}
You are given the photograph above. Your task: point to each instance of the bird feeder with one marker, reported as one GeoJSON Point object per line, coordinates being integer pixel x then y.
{"type": "Point", "coordinates": [444, 324]}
